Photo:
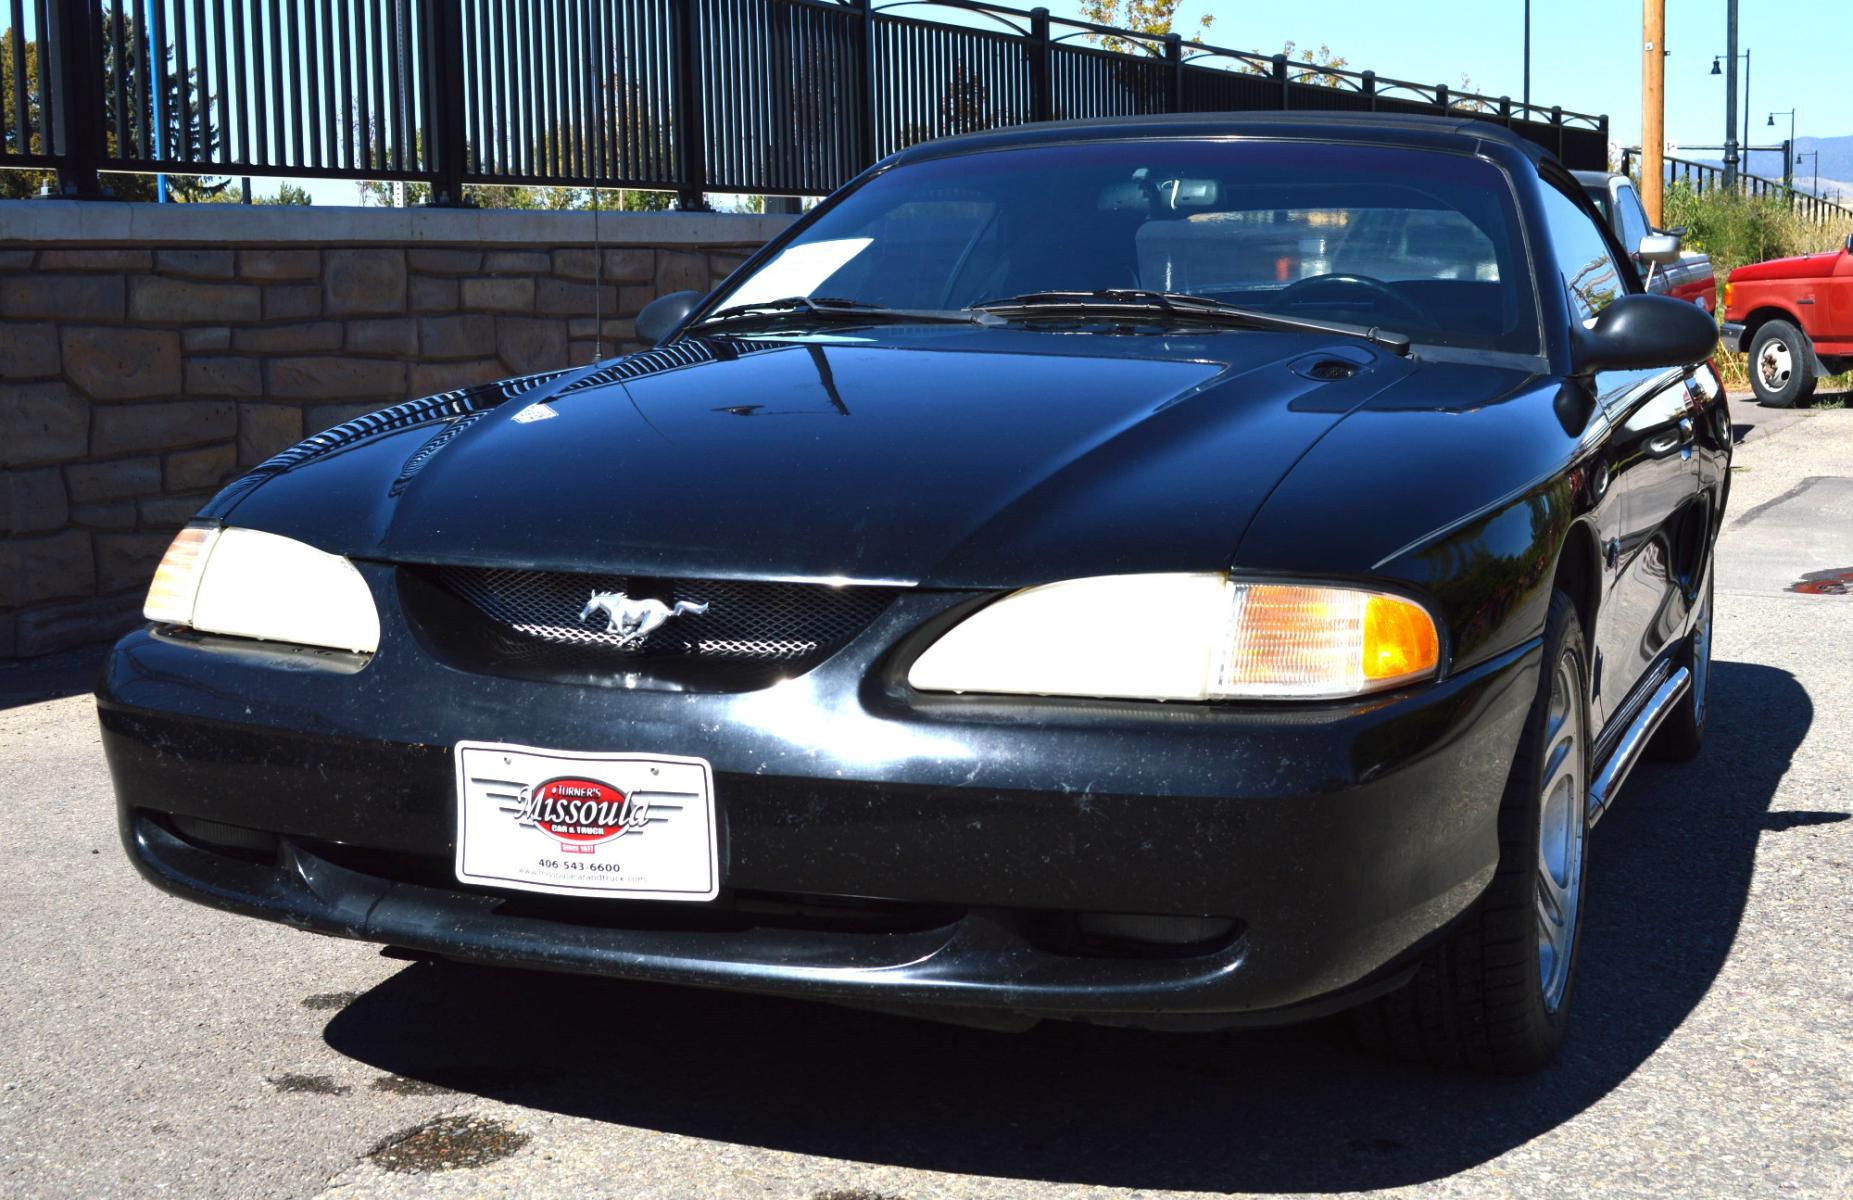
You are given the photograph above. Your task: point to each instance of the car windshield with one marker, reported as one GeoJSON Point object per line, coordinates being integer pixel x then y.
{"type": "Point", "coordinates": [1418, 242]}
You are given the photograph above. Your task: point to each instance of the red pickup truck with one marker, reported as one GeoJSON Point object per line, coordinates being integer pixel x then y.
{"type": "Point", "coordinates": [1794, 318]}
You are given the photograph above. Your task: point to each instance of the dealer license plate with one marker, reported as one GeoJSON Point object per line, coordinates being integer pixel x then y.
{"type": "Point", "coordinates": [628, 826]}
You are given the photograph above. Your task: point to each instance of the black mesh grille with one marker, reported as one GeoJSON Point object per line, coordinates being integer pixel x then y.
{"type": "Point", "coordinates": [723, 620]}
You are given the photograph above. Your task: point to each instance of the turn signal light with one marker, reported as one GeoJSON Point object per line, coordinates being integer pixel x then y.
{"type": "Point", "coordinates": [176, 581]}
{"type": "Point", "coordinates": [1310, 641]}
{"type": "Point", "coordinates": [1399, 640]}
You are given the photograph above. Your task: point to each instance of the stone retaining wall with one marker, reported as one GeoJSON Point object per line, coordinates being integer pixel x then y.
{"type": "Point", "coordinates": [149, 352]}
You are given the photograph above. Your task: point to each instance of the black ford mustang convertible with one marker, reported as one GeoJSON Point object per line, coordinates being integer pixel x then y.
{"type": "Point", "coordinates": [1182, 573]}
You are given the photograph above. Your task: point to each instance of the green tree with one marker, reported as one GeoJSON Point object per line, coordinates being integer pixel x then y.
{"type": "Point", "coordinates": [1158, 18]}
{"type": "Point", "coordinates": [1470, 104]}
{"type": "Point", "coordinates": [189, 96]}
{"type": "Point", "coordinates": [1155, 18]}
{"type": "Point", "coordinates": [636, 126]}
{"type": "Point", "coordinates": [376, 193]}
{"type": "Point", "coordinates": [17, 185]}
{"type": "Point", "coordinates": [964, 108]}
{"type": "Point", "coordinates": [287, 193]}
{"type": "Point", "coordinates": [1329, 65]}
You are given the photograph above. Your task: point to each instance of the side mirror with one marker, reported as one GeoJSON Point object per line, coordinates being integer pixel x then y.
{"type": "Point", "coordinates": [1661, 248]}
{"type": "Point", "coordinates": [1850, 243]}
{"type": "Point", "coordinates": [1639, 332]}
{"type": "Point", "coordinates": [660, 316]}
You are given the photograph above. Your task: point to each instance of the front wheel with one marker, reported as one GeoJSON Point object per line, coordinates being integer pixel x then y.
{"type": "Point", "coordinates": [1496, 995]}
{"type": "Point", "coordinates": [1781, 364]}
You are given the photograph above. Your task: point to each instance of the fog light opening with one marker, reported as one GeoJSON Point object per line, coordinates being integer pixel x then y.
{"type": "Point", "coordinates": [253, 844]}
{"type": "Point", "coordinates": [1144, 931]}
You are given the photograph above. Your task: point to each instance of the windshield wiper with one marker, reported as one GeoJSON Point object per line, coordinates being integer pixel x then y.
{"type": "Point", "coordinates": [1187, 307]}
{"type": "Point", "coordinates": [836, 309]}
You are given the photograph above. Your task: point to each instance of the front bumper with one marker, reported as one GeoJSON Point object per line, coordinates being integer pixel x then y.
{"type": "Point", "coordinates": [1731, 337]}
{"type": "Point", "coordinates": [956, 839]}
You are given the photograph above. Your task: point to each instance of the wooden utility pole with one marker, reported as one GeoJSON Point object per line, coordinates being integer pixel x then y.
{"type": "Point", "coordinates": [1653, 107]}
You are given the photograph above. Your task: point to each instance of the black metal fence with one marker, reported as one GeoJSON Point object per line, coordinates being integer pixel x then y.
{"type": "Point", "coordinates": [1704, 177]}
{"type": "Point", "coordinates": [779, 97]}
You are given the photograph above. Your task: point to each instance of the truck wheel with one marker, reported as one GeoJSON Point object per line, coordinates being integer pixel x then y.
{"type": "Point", "coordinates": [1495, 996]}
{"type": "Point", "coordinates": [1781, 364]}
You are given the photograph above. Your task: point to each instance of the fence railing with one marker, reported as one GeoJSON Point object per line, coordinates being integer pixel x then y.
{"type": "Point", "coordinates": [780, 97]}
{"type": "Point", "coordinates": [1704, 177]}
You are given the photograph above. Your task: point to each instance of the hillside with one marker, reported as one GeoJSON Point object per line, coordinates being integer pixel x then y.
{"type": "Point", "coordinates": [1836, 163]}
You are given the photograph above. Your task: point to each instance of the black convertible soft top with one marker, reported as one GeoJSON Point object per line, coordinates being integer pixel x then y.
{"type": "Point", "coordinates": [1463, 134]}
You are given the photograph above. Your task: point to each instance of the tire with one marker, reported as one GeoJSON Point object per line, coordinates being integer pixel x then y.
{"type": "Point", "coordinates": [1781, 364]}
{"type": "Point", "coordinates": [1682, 734]}
{"type": "Point", "coordinates": [1491, 997]}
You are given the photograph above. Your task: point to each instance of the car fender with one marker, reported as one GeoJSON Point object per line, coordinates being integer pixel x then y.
{"type": "Point", "coordinates": [1466, 504]}
{"type": "Point", "coordinates": [1780, 308]}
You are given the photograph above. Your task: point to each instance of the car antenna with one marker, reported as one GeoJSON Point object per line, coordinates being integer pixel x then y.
{"type": "Point", "coordinates": [598, 286]}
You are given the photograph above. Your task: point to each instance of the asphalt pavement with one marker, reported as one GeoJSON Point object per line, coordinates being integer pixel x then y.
{"type": "Point", "coordinates": [153, 1047]}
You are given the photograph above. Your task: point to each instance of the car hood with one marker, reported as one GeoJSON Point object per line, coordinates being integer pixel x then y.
{"type": "Point", "coordinates": [1805, 266]}
{"type": "Point", "coordinates": [942, 456]}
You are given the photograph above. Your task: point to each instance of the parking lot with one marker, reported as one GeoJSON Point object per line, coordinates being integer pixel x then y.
{"type": "Point", "coordinates": [149, 1046]}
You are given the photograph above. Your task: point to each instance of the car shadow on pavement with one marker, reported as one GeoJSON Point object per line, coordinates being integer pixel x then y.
{"type": "Point", "coordinates": [1292, 1110]}
{"type": "Point", "coordinates": [1748, 416]}
{"type": "Point", "coordinates": [33, 680]}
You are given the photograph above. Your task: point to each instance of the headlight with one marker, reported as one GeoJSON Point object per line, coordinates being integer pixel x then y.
{"type": "Point", "coordinates": [1184, 637]}
{"type": "Point", "coordinates": [259, 585]}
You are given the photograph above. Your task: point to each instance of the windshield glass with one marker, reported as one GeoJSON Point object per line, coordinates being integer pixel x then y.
{"type": "Point", "coordinates": [1418, 242]}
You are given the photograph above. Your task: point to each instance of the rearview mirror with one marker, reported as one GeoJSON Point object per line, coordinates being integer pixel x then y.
{"type": "Point", "coordinates": [661, 316]}
{"type": "Point", "coordinates": [1187, 193]}
{"type": "Point", "coordinates": [1661, 248]}
{"type": "Point", "coordinates": [1639, 332]}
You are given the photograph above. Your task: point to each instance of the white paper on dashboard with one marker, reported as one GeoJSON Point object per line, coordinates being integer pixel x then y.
{"type": "Point", "coordinates": [797, 270]}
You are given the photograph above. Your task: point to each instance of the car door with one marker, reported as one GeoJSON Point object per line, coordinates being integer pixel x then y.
{"type": "Point", "coordinates": [1654, 447]}
{"type": "Point", "coordinates": [1649, 473]}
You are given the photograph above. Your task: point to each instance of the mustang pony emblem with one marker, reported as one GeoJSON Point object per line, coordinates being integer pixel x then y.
{"type": "Point", "coordinates": [634, 620]}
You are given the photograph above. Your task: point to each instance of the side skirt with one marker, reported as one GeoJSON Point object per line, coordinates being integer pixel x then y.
{"type": "Point", "coordinates": [1662, 695]}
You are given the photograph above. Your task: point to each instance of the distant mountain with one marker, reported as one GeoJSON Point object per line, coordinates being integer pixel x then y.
{"type": "Point", "coordinates": [1838, 190]}
{"type": "Point", "coordinates": [1836, 162]}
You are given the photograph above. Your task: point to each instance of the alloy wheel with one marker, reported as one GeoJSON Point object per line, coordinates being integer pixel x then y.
{"type": "Point", "coordinates": [1562, 828]}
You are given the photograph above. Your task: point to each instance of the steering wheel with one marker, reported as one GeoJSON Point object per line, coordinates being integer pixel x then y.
{"type": "Point", "coordinates": [1302, 291]}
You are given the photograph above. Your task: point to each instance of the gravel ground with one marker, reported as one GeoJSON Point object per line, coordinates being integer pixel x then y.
{"type": "Point", "coordinates": [149, 1046]}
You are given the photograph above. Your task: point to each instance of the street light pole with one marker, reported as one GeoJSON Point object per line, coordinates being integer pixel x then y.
{"type": "Point", "coordinates": [1528, 58]}
{"type": "Point", "coordinates": [1736, 146]}
{"type": "Point", "coordinates": [1730, 96]}
{"type": "Point", "coordinates": [1745, 140]}
{"type": "Point", "coordinates": [1816, 156]}
{"type": "Point", "coordinates": [1788, 148]}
